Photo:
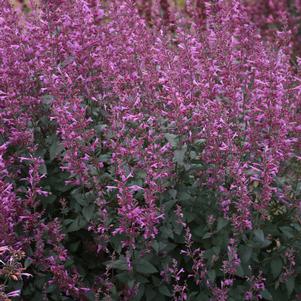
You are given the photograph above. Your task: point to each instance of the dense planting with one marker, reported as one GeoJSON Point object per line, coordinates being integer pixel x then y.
{"type": "Point", "coordinates": [150, 151]}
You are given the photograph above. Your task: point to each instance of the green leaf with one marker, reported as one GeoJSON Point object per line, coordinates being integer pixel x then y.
{"type": "Point", "coordinates": [169, 205]}
{"type": "Point", "coordinates": [55, 149]}
{"type": "Point", "coordinates": [179, 155]}
{"type": "Point", "coordinates": [156, 246]}
{"type": "Point", "coordinates": [164, 290]}
{"type": "Point", "coordinates": [74, 246]}
{"type": "Point", "coordinates": [245, 253]}
{"type": "Point", "coordinates": [119, 264]}
{"type": "Point", "coordinates": [50, 199]}
{"type": "Point", "coordinates": [212, 275]}
{"type": "Point", "coordinates": [240, 272]}
{"type": "Point", "coordinates": [167, 232]}
{"type": "Point", "coordinates": [287, 231]}
{"type": "Point", "coordinates": [276, 266]}
{"type": "Point", "coordinates": [290, 285]}
{"type": "Point", "coordinates": [88, 212]}
{"type": "Point", "coordinates": [207, 235]}
{"type": "Point", "coordinates": [150, 294]}
{"type": "Point", "coordinates": [144, 267]}
{"type": "Point", "coordinates": [77, 224]}
{"type": "Point", "coordinates": [259, 235]}
{"type": "Point", "coordinates": [266, 295]}
{"type": "Point", "coordinates": [156, 281]}
{"type": "Point", "coordinates": [78, 196]}
{"type": "Point", "coordinates": [172, 193]}
{"type": "Point", "coordinates": [178, 228]}
{"type": "Point", "coordinates": [116, 242]}
{"type": "Point", "coordinates": [201, 297]}
{"type": "Point", "coordinates": [221, 223]}
{"type": "Point", "coordinates": [124, 277]}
